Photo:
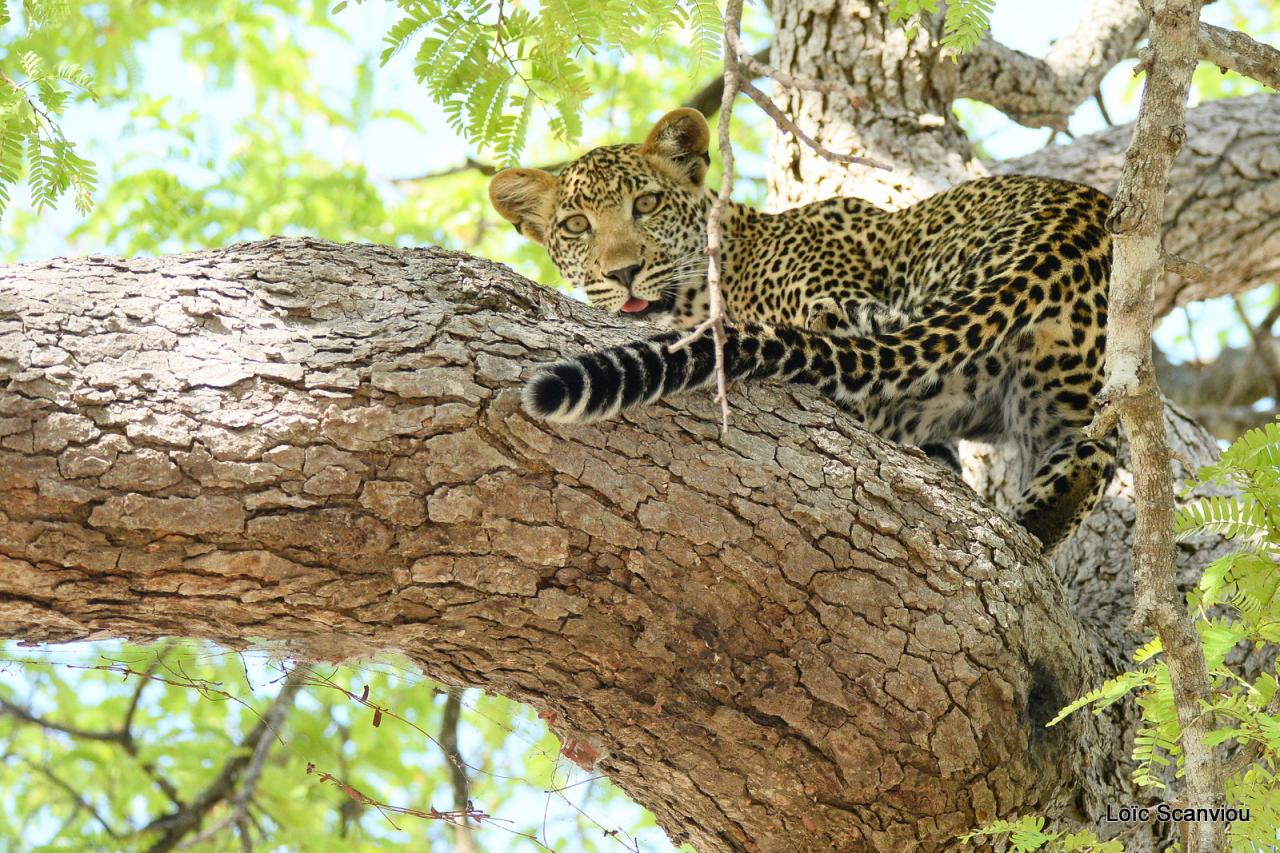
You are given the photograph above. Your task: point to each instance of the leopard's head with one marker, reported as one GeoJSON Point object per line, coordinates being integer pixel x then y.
{"type": "Point", "coordinates": [626, 223]}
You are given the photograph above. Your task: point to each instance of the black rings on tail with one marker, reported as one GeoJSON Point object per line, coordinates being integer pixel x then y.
{"type": "Point", "coordinates": [601, 384]}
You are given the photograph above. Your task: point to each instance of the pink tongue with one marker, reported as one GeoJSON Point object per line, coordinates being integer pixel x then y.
{"type": "Point", "coordinates": [633, 304]}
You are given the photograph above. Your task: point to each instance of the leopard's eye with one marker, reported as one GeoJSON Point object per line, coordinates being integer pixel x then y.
{"type": "Point", "coordinates": [576, 224]}
{"type": "Point", "coordinates": [646, 203]}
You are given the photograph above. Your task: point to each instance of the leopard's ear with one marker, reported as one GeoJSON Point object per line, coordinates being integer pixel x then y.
{"type": "Point", "coordinates": [526, 198]}
{"type": "Point", "coordinates": [680, 139]}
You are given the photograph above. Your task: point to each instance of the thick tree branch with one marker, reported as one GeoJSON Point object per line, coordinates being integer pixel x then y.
{"type": "Point", "coordinates": [1044, 92]}
{"type": "Point", "coordinates": [1232, 50]}
{"type": "Point", "coordinates": [1223, 204]}
{"type": "Point", "coordinates": [801, 637]}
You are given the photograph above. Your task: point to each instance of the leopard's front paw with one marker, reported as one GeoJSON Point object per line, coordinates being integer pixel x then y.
{"type": "Point", "coordinates": [825, 316]}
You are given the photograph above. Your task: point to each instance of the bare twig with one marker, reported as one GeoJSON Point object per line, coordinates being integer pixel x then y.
{"type": "Point", "coordinates": [1260, 336]}
{"type": "Point", "coordinates": [759, 67]}
{"type": "Point", "coordinates": [786, 125]}
{"type": "Point", "coordinates": [1270, 320]}
{"type": "Point", "coordinates": [1102, 107]}
{"type": "Point", "coordinates": [239, 812]}
{"type": "Point", "coordinates": [1186, 268]}
{"type": "Point", "coordinates": [175, 826]}
{"type": "Point", "coordinates": [707, 99]}
{"type": "Point", "coordinates": [75, 795]}
{"type": "Point", "coordinates": [715, 319]}
{"type": "Point", "coordinates": [1131, 392]}
{"type": "Point", "coordinates": [112, 736]}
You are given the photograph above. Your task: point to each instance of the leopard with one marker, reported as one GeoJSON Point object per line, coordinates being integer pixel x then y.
{"type": "Point", "coordinates": [976, 313]}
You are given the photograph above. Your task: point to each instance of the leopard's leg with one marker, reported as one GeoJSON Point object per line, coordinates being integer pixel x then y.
{"type": "Point", "coordinates": [1066, 487]}
{"type": "Point", "coordinates": [945, 453]}
{"type": "Point", "coordinates": [852, 317]}
{"type": "Point", "coordinates": [1049, 405]}
{"type": "Point", "coordinates": [825, 316]}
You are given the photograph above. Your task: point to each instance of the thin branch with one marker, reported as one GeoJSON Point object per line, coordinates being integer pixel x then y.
{"type": "Point", "coordinates": [75, 795]}
{"type": "Point", "coordinates": [715, 319]}
{"type": "Point", "coordinates": [238, 815]}
{"type": "Point", "coordinates": [1102, 107]}
{"type": "Point", "coordinates": [1261, 339]}
{"type": "Point", "coordinates": [175, 826]}
{"type": "Point", "coordinates": [116, 736]}
{"type": "Point", "coordinates": [1131, 392]}
{"type": "Point", "coordinates": [462, 838]}
{"type": "Point", "coordinates": [707, 99]}
{"type": "Point", "coordinates": [1270, 320]}
{"type": "Point", "coordinates": [759, 67]}
{"type": "Point", "coordinates": [786, 125]}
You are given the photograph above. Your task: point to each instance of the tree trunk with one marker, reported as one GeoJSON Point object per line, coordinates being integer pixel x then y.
{"type": "Point", "coordinates": [904, 120]}
{"type": "Point", "coordinates": [1224, 211]}
{"type": "Point", "coordinates": [800, 638]}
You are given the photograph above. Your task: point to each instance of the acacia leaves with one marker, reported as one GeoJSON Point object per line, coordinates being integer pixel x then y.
{"type": "Point", "coordinates": [964, 23]}
{"type": "Point", "coordinates": [492, 66]}
{"type": "Point", "coordinates": [32, 97]}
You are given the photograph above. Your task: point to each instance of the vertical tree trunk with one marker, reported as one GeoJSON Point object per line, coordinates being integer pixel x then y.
{"type": "Point", "coordinates": [905, 117]}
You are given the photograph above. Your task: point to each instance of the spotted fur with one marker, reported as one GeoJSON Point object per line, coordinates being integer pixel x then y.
{"type": "Point", "coordinates": [978, 313]}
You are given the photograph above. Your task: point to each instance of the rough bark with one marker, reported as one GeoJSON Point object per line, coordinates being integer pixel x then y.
{"type": "Point", "coordinates": [1045, 92]}
{"type": "Point", "coordinates": [1223, 206]}
{"type": "Point", "coordinates": [800, 638]}
{"type": "Point", "coordinates": [904, 119]}
{"type": "Point", "coordinates": [1222, 393]}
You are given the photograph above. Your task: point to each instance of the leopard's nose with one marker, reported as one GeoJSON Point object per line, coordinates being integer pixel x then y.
{"type": "Point", "coordinates": [624, 275]}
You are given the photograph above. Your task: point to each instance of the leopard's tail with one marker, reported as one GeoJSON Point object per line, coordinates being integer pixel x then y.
{"type": "Point", "coordinates": [601, 384]}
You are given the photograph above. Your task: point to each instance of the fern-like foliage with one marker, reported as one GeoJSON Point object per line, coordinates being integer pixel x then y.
{"type": "Point", "coordinates": [31, 138]}
{"type": "Point", "coordinates": [1027, 835]}
{"type": "Point", "coordinates": [964, 23]}
{"type": "Point", "coordinates": [492, 65]}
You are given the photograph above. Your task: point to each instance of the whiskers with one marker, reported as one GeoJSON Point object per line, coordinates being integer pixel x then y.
{"type": "Point", "coordinates": [683, 270]}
